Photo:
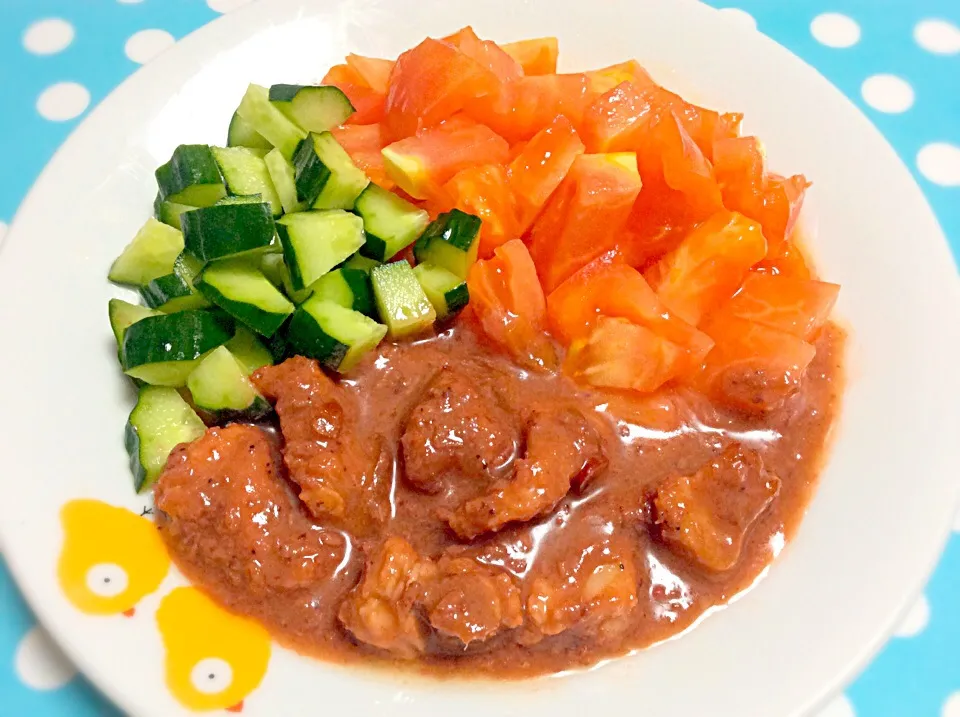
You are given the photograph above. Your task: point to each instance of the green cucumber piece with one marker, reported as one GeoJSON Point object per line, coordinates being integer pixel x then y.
{"type": "Point", "coordinates": [248, 350]}
{"type": "Point", "coordinates": [242, 134]}
{"type": "Point", "coordinates": [246, 294]}
{"type": "Point", "coordinates": [151, 254]}
{"type": "Point", "coordinates": [450, 242]}
{"type": "Point", "coordinates": [361, 262]}
{"type": "Point", "coordinates": [169, 212]}
{"type": "Point", "coordinates": [219, 386]}
{"type": "Point", "coordinates": [391, 223]}
{"type": "Point", "coordinates": [191, 177]}
{"type": "Point", "coordinates": [229, 228]}
{"type": "Point", "coordinates": [447, 292]}
{"type": "Point", "coordinates": [401, 302]}
{"type": "Point", "coordinates": [175, 291]}
{"type": "Point", "coordinates": [279, 346]}
{"type": "Point", "coordinates": [284, 179]}
{"type": "Point", "coordinates": [337, 337]}
{"type": "Point", "coordinates": [246, 174]}
{"type": "Point", "coordinates": [316, 109]}
{"type": "Point", "coordinates": [159, 422]}
{"type": "Point", "coordinates": [326, 177]}
{"type": "Point", "coordinates": [273, 268]}
{"type": "Point", "coordinates": [123, 314]}
{"type": "Point", "coordinates": [267, 120]}
{"type": "Point", "coordinates": [162, 350]}
{"type": "Point", "coordinates": [350, 288]}
{"type": "Point", "coordinates": [315, 242]}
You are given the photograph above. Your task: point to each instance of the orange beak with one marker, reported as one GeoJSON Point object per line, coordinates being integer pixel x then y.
{"type": "Point", "coordinates": [236, 708]}
{"type": "Point", "coordinates": [129, 613]}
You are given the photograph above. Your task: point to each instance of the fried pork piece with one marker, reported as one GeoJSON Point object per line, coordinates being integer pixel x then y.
{"type": "Point", "coordinates": [458, 429]}
{"type": "Point", "coordinates": [707, 515]}
{"type": "Point", "coordinates": [562, 450]}
{"type": "Point", "coordinates": [339, 476]}
{"type": "Point", "coordinates": [402, 594]}
{"type": "Point", "coordinates": [227, 511]}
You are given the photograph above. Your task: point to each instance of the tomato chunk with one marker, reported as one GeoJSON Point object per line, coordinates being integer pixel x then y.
{"type": "Point", "coordinates": [363, 143]}
{"type": "Point", "coordinates": [797, 306]}
{"type": "Point", "coordinates": [585, 216]}
{"type": "Point", "coordinates": [430, 83]}
{"type": "Point", "coordinates": [785, 260]}
{"type": "Point", "coordinates": [540, 167]}
{"type": "Point", "coordinates": [485, 192]}
{"type": "Point", "coordinates": [509, 303]}
{"type": "Point", "coordinates": [374, 71]}
{"type": "Point", "coordinates": [606, 78]}
{"type": "Point", "coordinates": [487, 53]}
{"type": "Point", "coordinates": [708, 266]}
{"type": "Point", "coordinates": [422, 163]}
{"type": "Point", "coordinates": [367, 102]}
{"type": "Point", "coordinates": [537, 56]}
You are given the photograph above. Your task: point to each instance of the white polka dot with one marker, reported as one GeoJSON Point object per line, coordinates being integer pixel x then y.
{"type": "Point", "coordinates": [839, 707]}
{"type": "Point", "coordinates": [915, 620]}
{"type": "Point", "coordinates": [938, 36]}
{"type": "Point", "coordinates": [887, 93]}
{"type": "Point", "coordinates": [40, 664]}
{"type": "Point", "coordinates": [49, 36]}
{"type": "Point", "coordinates": [63, 101]}
{"type": "Point", "coordinates": [741, 17]}
{"type": "Point", "coordinates": [143, 46]}
{"type": "Point", "coordinates": [226, 5]}
{"type": "Point", "coordinates": [835, 30]}
{"type": "Point", "coordinates": [940, 163]}
{"type": "Point", "coordinates": [951, 707]}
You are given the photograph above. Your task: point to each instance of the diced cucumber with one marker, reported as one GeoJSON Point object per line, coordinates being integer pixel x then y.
{"type": "Point", "coordinates": [242, 134]}
{"type": "Point", "coordinates": [447, 292]}
{"type": "Point", "coordinates": [335, 336]}
{"type": "Point", "coordinates": [283, 175]}
{"type": "Point", "coordinates": [162, 350]}
{"type": "Point", "coordinates": [361, 262]}
{"type": "Point", "coordinates": [151, 254]}
{"type": "Point", "coordinates": [219, 385]}
{"type": "Point", "coordinates": [191, 177]}
{"type": "Point", "coordinates": [391, 223]}
{"type": "Point", "coordinates": [175, 291]}
{"type": "Point", "coordinates": [124, 314]}
{"type": "Point", "coordinates": [159, 422]}
{"type": "Point", "coordinates": [248, 350]}
{"type": "Point", "coordinates": [246, 173]}
{"type": "Point", "coordinates": [273, 268]}
{"type": "Point", "coordinates": [229, 228]}
{"type": "Point", "coordinates": [316, 109]}
{"type": "Point", "coordinates": [350, 288]}
{"type": "Point", "coordinates": [401, 302]}
{"type": "Point", "coordinates": [268, 121]}
{"type": "Point", "coordinates": [326, 177]}
{"type": "Point", "coordinates": [246, 294]}
{"type": "Point", "coordinates": [450, 242]}
{"type": "Point", "coordinates": [279, 346]}
{"type": "Point", "coordinates": [169, 212]}
{"type": "Point", "coordinates": [315, 242]}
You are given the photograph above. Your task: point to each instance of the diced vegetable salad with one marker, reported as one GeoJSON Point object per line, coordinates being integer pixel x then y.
{"type": "Point", "coordinates": [595, 210]}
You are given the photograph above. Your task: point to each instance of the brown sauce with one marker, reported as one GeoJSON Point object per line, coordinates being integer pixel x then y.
{"type": "Point", "coordinates": [593, 577]}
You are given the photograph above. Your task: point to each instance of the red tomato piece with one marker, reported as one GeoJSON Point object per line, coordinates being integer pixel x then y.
{"type": "Point", "coordinates": [374, 71]}
{"type": "Point", "coordinates": [585, 216]}
{"type": "Point", "coordinates": [367, 102]}
{"type": "Point", "coordinates": [363, 143]}
{"type": "Point", "coordinates": [485, 192]}
{"type": "Point", "coordinates": [785, 260]}
{"type": "Point", "coordinates": [606, 78]}
{"type": "Point", "coordinates": [487, 53]}
{"type": "Point", "coordinates": [797, 306]}
{"type": "Point", "coordinates": [422, 163]}
{"type": "Point", "coordinates": [708, 266]}
{"type": "Point", "coordinates": [431, 83]}
{"type": "Point", "coordinates": [541, 166]}
{"type": "Point", "coordinates": [507, 299]}
{"type": "Point", "coordinates": [537, 56]}
{"type": "Point", "coordinates": [684, 167]}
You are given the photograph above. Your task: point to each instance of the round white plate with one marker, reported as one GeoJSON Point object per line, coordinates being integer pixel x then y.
{"type": "Point", "coordinates": [887, 495]}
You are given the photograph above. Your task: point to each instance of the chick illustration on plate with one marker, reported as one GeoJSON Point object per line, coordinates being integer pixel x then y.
{"type": "Point", "coordinates": [214, 659]}
{"type": "Point", "coordinates": [111, 558]}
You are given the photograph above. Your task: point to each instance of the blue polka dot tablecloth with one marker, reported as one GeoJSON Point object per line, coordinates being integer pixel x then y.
{"type": "Point", "coordinates": [899, 60]}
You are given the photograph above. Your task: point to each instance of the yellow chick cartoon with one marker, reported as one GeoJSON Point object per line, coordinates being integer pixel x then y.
{"type": "Point", "coordinates": [111, 557]}
{"type": "Point", "coordinates": [214, 659]}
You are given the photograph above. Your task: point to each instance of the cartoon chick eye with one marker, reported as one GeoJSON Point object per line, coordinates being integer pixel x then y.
{"type": "Point", "coordinates": [111, 558]}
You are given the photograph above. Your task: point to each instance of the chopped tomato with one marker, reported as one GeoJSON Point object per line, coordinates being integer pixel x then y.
{"type": "Point", "coordinates": [374, 71]}
{"type": "Point", "coordinates": [485, 192]}
{"type": "Point", "coordinates": [606, 78]}
{"type": "Point", "coordinates": [708, 266]}
{"type": "Point", "coordinates": [786, 260]}
{"type": "Point", "coordinates": [367, 102]}
{"type": "Point", "coordinates": [660, 219]}
{"type": "Point", "coordinates": [752, 367]}
{"type": "Point", "coordinates": [509, 303]}
{"type": "Point", "coordinates": [797, 306]}
{"type": "Point", "coordinates": [537, 56]}
{"type": "Point", "coordinates": [609, 287]}
{"type": "Point", "coordinates": [622, 355]}
{"type": "Point", "coordinates": [422, 163]}
{"type": "Point", "coordinates": [363, 143]}
{"type": "Point", "coordinates": [487, 53]}
{"type": "Point", "coordinates": [541, 166]}
{"type": "Point", "coordinates": [684, 167]}
{"type": "Point", "coordinates": [431, 83]}
{"type": "Point", "coordinates": [523, 107]}
{"type": "Point", "coordinates": [343, 74]}
{"type": "Point", "coordinates": [585, 216]}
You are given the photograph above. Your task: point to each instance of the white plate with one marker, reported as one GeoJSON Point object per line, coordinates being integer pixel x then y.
{"type": "Point", "coordinates": [873, 531]}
